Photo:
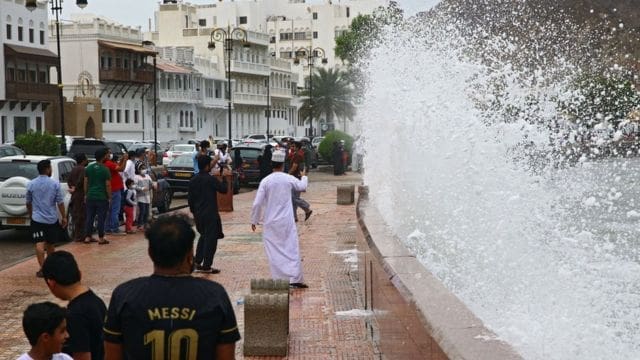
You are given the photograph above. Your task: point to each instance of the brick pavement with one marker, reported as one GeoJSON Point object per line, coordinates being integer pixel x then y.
{"type": "Point", "coordinates": [316, 331]}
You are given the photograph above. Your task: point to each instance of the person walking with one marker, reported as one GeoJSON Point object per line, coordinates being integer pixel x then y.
{"type": "Point", "coordinates": [45, 204]}
{"type": "Point", "coordinates": [297, 164]}
{"type": "Point", "coordinates": [76, 189]}
{"type": "Point", "coordinates": [203, 203]}
{"type": "Point", "coordinates": [130, 204]}
{"type": "Point", "coordinates": [117, 187]}
{"type": "Point", "coordinates": [143, 185]}
{"type": "Point", "coordinates": [170, 313]}
{"type": "Point", "coordinates": [97, 190]}
{"type": "Point", "coordinates": [264, 161]}
{"type": "Point", "coordinates": [86, 311]}
{"type": "Point", "coordinates": [280, 235]}
{"type": "Point", "coordinates": [201, 149]}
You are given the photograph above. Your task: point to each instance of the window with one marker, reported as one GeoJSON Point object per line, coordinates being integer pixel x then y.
{"type": "Point", "coordinates": [31, 36]}
{"type": "Point", "coordinates": [8, 31]}
{"type": "Point", "coordinates": [42, 77]}
{"type": "Point", "coordinates": [272, 40]}
{"type": "Point", "coordinates": [191, 119]}
{"type": "Point", "coordinates": [286, 54]}
{"type": "Point", "coordinates": [118, 116]}
{"type": "Point", "coordinates": [39, 124]}
{"type": "Point", "coordinates": [168, 121]}
{"type": "Point", "coordinates": [135, 116]}
{"type": "Point", "coordinates": [20, 33]}
{"type": "Point", "coordinates": [202, 22]}
{"type": "Point", "coordinates": [299, 36]}
{"type": "Point", "coordinates": [126, 63]}
{"type": "Point", "coordinates": [315, 34]}
{"type": "Point", "coordinates": [104, 116]}
{"type": "Point", "coordinates": [41, 37]}
{"type": "Point", "coordinates": [315, 16]}
{"type": "Point", "coordinates": [110, 115]}
{"type": "Point", "coordinates": [243, 20]}
{"type": "Point", "coordinates": [286, 36]}
{"type": "Point", "coordinates": [348, 12]}
{"type": "Point", "coordinates": [126, 116]}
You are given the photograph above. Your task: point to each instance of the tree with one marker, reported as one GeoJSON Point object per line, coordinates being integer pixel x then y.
{"type": "Point", "coordinates": [331, 96]}
{"type": "Point", "coordinates": [34, 143]}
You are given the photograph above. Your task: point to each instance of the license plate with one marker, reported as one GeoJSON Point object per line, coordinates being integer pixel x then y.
{"type": "Point", "coordinates": [16, 221]}
{"type": "Point", "coordinates": [183, 175]}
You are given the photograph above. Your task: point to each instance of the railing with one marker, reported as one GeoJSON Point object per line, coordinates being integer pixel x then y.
{"type": "Point", "coordinates": [189, 32]}
{"type": "Point", "coordinates": [182, 95]}
{"type": "Point", "coordinates": [250, 99]}
{"type": "Point", "coordinates": [281, 64]}
{"type": "Point", "coordinates": [248, 67]}
{"type": "Point", "coordinates": [126, 75]}
{"type": "Point", "coordinates": [281, 92]}
{"type": "Point", "coordinates": [257, 38]}
{"type": "Point", "coordinates": [31, 91]}
{"type": "Point", "coordinates": [214, 102]}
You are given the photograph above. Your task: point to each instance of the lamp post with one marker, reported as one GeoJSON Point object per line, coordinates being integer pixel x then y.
{"type": "Point", "coordinates": [268, 103]}
{"type": "Point", "coordinates": [227, 36]}
{"type": "Point", "coordinates": [56, 8]}
{"type": "Point", "coordinates": [155, 97]}
{"type": "Point", "coordinates": [311, 54]}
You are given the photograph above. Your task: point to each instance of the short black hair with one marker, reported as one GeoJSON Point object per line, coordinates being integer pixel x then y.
{"type": "Point", "coordinates": [62, 267]}
{"type": "Point", "coordinates": [80, 157]}
{"type": "Point", "coordinates": [128, 182]}
{"type": "Point", "coordinates": [203, 161]}
{"type": "Point", "coordinates": [42, 318]}
{"type": "Point", "coordinates": [205, 144]}
{"type": "Point", "coordinates": [131, 154]}
{"type": "Point", "coordinates": [43, 165]}
{"type": "Point", "coordinates": [101, 153]}
{"type": "Point", "coordinates": [170, 239]}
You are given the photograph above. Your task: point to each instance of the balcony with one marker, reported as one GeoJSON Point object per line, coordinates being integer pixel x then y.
{"type": "Point", "coordinates": [214, 102]}
{"type": "Point", "coordinates": [280, 64]}
{"type": "Point", "coordinates": [31, 91]}
{"type": "Point", "coordinates": [250, 99]}
{"type": "Point", "coordinates": [281, 93]}
{"type": "Point", "coordinates": [182, 96]}
{"type": "Point", "coordinates": [249, 68]}
{"type": "Point", "coordinates": [126, 75]}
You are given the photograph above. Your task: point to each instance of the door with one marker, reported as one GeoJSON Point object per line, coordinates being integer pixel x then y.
{"type": "Point", "coordinates": [90, 129]}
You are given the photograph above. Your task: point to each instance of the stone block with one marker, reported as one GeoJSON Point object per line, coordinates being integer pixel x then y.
{"type": "Point", "coordinates": [266, 325]}
{"type": "Point", "coordinates": [363, 190]}
{"type": "Point", "coordinates": [346, 194]}
{"type": "Point", "coordinates": [269, 286]}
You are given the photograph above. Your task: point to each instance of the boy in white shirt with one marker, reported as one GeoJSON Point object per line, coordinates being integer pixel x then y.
{"type": "Point", "coordinates": [45, 326]}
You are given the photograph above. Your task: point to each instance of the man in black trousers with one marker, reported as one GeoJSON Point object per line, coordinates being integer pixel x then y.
{"type": "Point", "coordinates": [203, 203]}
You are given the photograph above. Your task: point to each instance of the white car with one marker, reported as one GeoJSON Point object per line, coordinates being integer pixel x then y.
{"type": "Point", "coordinates": [176, 150]}
{"type": "Point", "coordinates": [15, 174]}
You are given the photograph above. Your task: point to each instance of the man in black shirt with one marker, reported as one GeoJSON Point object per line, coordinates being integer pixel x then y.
{"type": "Point", "coordinates": [86, 311]}
{"type": "Point", "coordinates": [170, 314]}
{"type": "Point", "coordinates": [203, 203]}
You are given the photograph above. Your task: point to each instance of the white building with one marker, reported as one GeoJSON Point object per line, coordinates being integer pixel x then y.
{"type": "Point", "coordinates": [25, 89]}
{"type": "Point", "coordinates": [276, 29]}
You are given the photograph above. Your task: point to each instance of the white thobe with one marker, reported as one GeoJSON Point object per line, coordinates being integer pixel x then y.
{"type": "Point", "coordinates": [279, 233]}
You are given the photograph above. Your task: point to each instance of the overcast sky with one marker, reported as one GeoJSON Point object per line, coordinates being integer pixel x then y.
{"type": "Point", "coordinates": [137, 12]}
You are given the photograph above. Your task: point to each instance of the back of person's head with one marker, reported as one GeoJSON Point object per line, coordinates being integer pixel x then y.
{"type": "Point", "coordinates": [101, 154]}
{"type": "Point", "coordinates": [204, 144]}
{"type": "Point", "coordinates": [43, 166]}
{"type": "Point", "coordinates": [140, 152]}
{"type": "Point", "coordinates": [61, 267]}
{"type": "Point", "coordinates": [170, 240]}
{"type": "Point", "coordinates": [42, 318]}
{"type": "Point", "coordinates": [203, 161]}
{"type": "Point", "coordinates": [131, 154]}
{"type": "Point", "coordinates": [80, 157]}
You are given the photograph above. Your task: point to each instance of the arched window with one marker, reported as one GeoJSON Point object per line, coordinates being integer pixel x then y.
{"type": "Point", "coordinates": [9, 29]}
{"type": "Point", "coordinates": [191, 119]}
{"type": "Point", "coordinates": [181, 118]}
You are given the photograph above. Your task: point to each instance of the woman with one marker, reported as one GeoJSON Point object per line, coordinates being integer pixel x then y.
{"type": "Point", "coordinates": [143, 187]}
{"type": "Point", "coordinates": [264, 161]}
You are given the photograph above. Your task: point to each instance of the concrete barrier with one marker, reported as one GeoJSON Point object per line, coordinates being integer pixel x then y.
{"type": "Point", "coordinates": [266, 324]}
{"type": "Point", "coordinates": [269, 286]}
{"type": "Point", "coordinates": [346, 194]}
{"type": "Point", "coordinates": [458, 332]}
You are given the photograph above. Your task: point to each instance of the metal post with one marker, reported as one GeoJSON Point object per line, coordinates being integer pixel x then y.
{"type": "Point", "coordinates": [142, 100]}
{"type": "Point", "coordinates": [268, 103]}
{"type": "Point", "coordinates": [229, 42]}
{"type": "Point", "coordinates": [56, 7]}
{"type": "Point", "coordinates": [310, 61]}
{"type": "Point", "coordinates": [155, 106]}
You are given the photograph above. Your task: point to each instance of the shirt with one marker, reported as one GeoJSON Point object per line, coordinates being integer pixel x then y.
{"type": "Point", "coordinates": [116, 179]}
{"type": "Point", "coordinates": [97, 175]}
{"type": "Point", "coordinates": [202, 195]}
{"type": "Point", "coordinates": [84, 323]}
{"type": "Point", "coordinates": [59, 356]}
{"type": "Point", "coordinates": [129, 170]}
{"type": "Point", "coordinates": [297, 158]}
{"type": "Point", "coordinates": [148, 315]}
{"type": "Point", "coordinates": [44, 194]}
{"type": "Point", "coordinates": [143, 188]}
{"type": "Point", "coordinates": [130, 197]}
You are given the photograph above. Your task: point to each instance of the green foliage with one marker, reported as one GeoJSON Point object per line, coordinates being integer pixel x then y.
{"type": "Point", "coordinates": [332, 97]}
{"type": "Point", "coordinates": [34, 143]}
{"type": "Point", "coordinates": [599, 98]}
{"type": "Point", "coordinates": [326, 146]}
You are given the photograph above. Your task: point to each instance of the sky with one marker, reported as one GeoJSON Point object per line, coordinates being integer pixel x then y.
{"type": "Point", "coordinates": [138, 12]}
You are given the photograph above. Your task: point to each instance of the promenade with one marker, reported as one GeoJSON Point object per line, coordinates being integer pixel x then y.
{"type": "Point", "coordinates": [327, 321]}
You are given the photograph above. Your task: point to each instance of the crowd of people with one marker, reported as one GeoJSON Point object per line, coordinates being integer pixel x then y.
{"type": "Point", "coordinates": [169, 312]}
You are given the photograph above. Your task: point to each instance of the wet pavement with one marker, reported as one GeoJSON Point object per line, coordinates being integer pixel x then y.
{"type": "Point", "coordinates": [333, 319]}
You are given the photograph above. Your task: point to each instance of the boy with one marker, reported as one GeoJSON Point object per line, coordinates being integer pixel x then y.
{"type": "Point", "coordinates": [86, 310]}
{"type": "Point", "coordinates": [45, 326]}
{"type": "Point", "coordinates": [129, 205]}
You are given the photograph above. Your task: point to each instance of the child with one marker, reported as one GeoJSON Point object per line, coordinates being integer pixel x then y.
{"type": "Point", "coordinates": [129, 205]}
{"type": "Point", "coordinates": [45, 326]}
{"type": "Point", "coordinates": [144, 184]}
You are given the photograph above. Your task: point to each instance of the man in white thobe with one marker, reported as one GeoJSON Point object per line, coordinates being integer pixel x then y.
{"type": "Point", "coordinates": [280, 235]}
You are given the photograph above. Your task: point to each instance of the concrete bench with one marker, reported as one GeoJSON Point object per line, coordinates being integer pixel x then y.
{"type": "Point", "coordinates": [266, 324]}
{"type": "Point", "coordinates": [346, 194]}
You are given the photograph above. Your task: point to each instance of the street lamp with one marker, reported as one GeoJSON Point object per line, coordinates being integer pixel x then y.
{"type": "Point", "coordinates": [268, 82]}
{"type": "Point", "coordinates": [227, 37]}
{"type": "Point", "coordinates": [311, 54]}
{"type": "Point", "coordinates": [56, 8]}
{"type": "Point", "coordinates": [155, 101]}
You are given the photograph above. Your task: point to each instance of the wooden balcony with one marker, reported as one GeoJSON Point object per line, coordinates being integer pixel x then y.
{"type": "Point", "coordinates": [142, 76]}
{"type": "Point", "coordinates": [31, 91]}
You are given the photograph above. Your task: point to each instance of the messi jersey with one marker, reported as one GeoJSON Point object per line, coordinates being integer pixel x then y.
{"type": "Point", "coordinates": [160, 317]}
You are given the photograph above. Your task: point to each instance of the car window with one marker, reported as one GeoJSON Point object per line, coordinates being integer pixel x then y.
{"type": "Point", "coordinates": [19, 151]}
{"type": "Point", "coordinates": [183, 148]}
{"type": "Point", "coordinates": [25, 169]}
{"type": "Point", "coordinates": [182, 161]}
{"type": "Point", "coordinates": [250, 153]}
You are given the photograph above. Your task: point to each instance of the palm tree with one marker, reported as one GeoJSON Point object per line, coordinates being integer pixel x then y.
{"type": "Point", "coordinates": [331, 98]}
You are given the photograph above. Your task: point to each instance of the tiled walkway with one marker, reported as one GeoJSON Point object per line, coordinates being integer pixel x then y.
{"type": "Point", "coordinates": [323, 324]}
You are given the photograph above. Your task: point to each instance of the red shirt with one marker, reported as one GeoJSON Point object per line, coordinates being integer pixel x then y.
{"type": "Point", "coordinates": [116, 179]}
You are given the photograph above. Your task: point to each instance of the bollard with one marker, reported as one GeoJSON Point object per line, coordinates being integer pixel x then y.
{"type": "Point", "coordinates": [346, 194]}
{"type": "Point", "coordinates": [266, 325]}
{"type": "Point", "coordinates": [269, 286]}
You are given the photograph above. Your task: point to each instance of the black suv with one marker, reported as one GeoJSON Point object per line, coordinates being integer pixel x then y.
{"type": "Point", "coordinates": [89, 147]}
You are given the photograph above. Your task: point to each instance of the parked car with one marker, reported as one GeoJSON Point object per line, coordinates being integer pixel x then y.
{"type": "Point", "coordinates": [315, 143]}
{"type": "Point", "coordinates": [69, 140]}
{"type": "Point", "coordinates": [86, 146]}
{"type": "Point", "coordinates": [10, 150]}
{"type": "Point", "coordinates": [163, 195]}
{"type": "Point", "coordinates": [176, 150]}
{"type": "Point", "coordinates": [117, 149]}
{"type": "Point", "coordinates": [128, 143]}
{"type": "Point", "coordinates": [180, 171]}
{"type": "Point", "coordinates": [137, 146]}
{"type": "Point", "coordinates": [249, 170]}
{"type": "Point", "coordinates": [15, 174]}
